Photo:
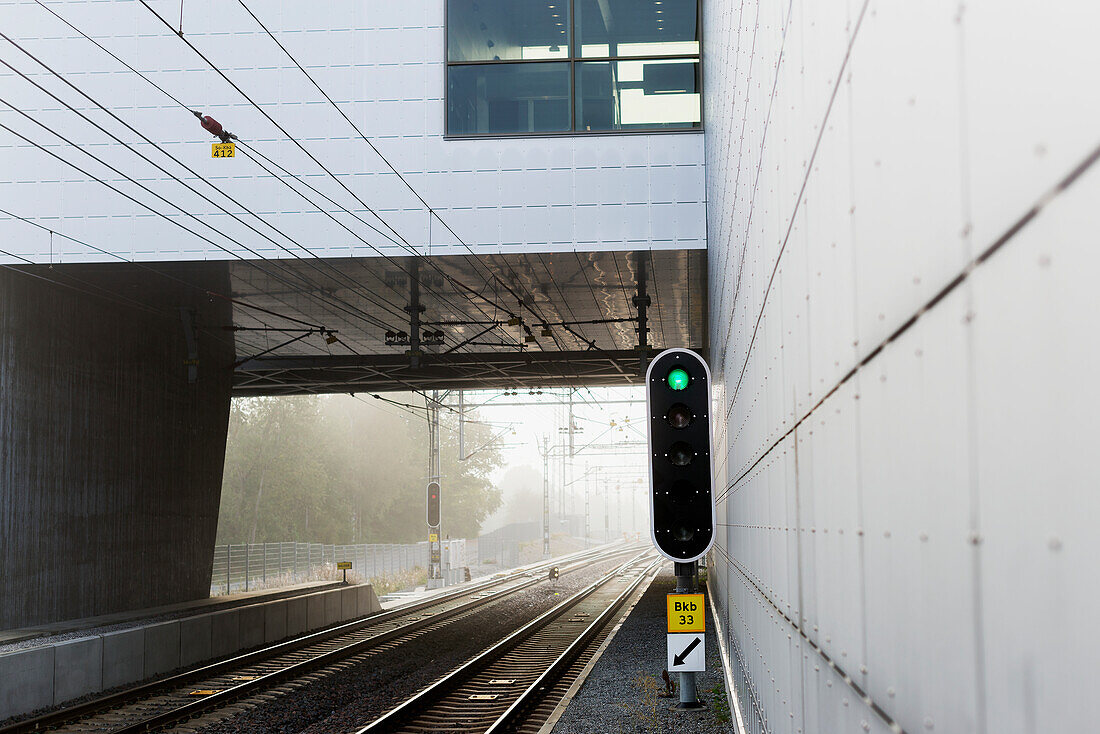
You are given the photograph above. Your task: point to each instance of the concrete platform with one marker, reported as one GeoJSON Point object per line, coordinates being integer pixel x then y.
{"type": "Point", "coordinates": [199, 605]}
{"type": "Point", "coordinates": [54, 671]}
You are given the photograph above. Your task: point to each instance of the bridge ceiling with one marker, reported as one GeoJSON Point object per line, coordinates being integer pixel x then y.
{"type": "Point", "coordinates": [524, 320]}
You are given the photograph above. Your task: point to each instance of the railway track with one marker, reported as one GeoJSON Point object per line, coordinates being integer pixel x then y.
{"type": "Point", "coordinates": [161, 704]}
{"type": "Point", "coordinates": [515, 685]}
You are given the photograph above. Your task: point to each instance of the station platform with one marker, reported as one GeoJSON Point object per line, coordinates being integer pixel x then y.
{"type": "Point", "coordinates": [119, 620]}
{"type": "Point", "coordinates": [620, 689]}
{"type": "Point", "coordinates": [54, 664]}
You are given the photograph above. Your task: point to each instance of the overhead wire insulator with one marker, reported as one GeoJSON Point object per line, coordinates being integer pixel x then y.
{"type": "Point", "coordinates": [212, 126]}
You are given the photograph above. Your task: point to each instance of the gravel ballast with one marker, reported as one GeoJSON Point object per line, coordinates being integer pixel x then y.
{"type": "Point", "coordinates": [619, 694]}
{"type": "Point", "coordinates": [353, 697]}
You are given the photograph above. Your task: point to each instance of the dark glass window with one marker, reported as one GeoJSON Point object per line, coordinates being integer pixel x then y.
{"type": "Point", "coordinates": [624, 65]}
{"type": "Point", "coordinates": [507, 30]}
{"type": "Point", "coordinates": [496, 99]}
{"type": "Point", "coordinates": [615, 28]}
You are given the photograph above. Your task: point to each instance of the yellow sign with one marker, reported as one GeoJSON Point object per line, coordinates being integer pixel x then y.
{"type": "Point", "coordinates": [433, 537]}
{"type": "Point", "coordinates": [223, 150]}
{"type": "Point", "coordinates": [686, 613]}
{"type": "Point", "coordinates": [343, 565]}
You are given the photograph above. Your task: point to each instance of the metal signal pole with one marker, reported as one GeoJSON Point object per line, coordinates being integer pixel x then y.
{"type": "Point", "coordinates": [435, 534]}
{"type": "Point", "coordinates": [545, 496]}
{"type": "Point", "coordinates": [586, 493]}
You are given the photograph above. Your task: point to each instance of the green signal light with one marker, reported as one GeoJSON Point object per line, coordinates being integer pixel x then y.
{"type": "Point", "coordinates": [678, 378]}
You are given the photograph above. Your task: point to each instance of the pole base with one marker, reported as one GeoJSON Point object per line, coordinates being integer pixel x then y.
{"type": "Point", "coordinates": [696, 706]}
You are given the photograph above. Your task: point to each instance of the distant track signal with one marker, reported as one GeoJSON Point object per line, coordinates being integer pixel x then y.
{"type": "Point", "coordinates": [433, 504]}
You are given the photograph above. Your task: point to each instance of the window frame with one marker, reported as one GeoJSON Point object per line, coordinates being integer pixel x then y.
{"type": "Point", "coordinates": [572, 60]}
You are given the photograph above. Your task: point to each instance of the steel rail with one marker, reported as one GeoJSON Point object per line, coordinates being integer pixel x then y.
{"type": "Point", "coordinates": [527, 576]}
{"type": "Point", "coordinates": [434, 696]}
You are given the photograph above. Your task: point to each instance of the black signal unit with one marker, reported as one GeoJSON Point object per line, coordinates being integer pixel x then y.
{"type": "Point", "coordinates": [433, 504]}
{"type": "Point", "coordinates": [681, 494]}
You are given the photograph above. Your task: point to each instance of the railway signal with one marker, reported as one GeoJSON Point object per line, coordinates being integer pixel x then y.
{"type": "Point", "coordinates": [682, 515]}
{"type": "Point", "coordinates": [433, 504]}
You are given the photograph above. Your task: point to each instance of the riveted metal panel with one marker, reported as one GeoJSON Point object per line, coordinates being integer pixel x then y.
{"type": "Point", "coordinates": [1036, 477]}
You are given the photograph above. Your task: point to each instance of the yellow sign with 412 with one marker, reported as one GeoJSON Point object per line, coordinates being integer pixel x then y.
{"type": "Point", "coordinates": [223, 150]}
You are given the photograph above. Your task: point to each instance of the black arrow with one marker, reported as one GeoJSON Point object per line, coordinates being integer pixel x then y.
{"type": "Point", "coordinates": [679, 659]}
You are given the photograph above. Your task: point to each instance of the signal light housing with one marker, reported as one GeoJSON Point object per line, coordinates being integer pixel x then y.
{"type": "Point", "coordinates": [682, 513]}
{"type": "Point", "coordinates": [433, 504]}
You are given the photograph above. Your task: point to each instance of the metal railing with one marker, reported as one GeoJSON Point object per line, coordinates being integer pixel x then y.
{"type": "Point", "coordinates": [241, 567]}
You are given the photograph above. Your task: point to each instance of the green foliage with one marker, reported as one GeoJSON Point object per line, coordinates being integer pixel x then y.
{"type": "Point", "coordinates": [340, 470]}
{"type": "Point", "coordinates": [720, 704]}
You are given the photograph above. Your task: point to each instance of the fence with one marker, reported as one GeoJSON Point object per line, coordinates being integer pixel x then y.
{"type": "Point", "coordinates": [240, 567]}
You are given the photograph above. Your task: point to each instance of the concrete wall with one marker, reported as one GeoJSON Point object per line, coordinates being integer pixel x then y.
{"type": "Point", "coordinates": [110, 460]}
{"type": "Point", "coordinates": [384, 64]}
{"type": "Point", "coordinates": [903, 337]}
{"type": "Point", "coordinates": [54, 674]}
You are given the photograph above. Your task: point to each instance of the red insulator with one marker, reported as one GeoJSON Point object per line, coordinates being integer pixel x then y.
{"type": "Point", "coordinates": [211, 125]}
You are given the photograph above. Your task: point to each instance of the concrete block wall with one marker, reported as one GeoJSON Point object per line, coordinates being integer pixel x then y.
{"type": "Point", "coordinates": [51, 675]}
{"type": "Point", "coordinates": [110, 458]}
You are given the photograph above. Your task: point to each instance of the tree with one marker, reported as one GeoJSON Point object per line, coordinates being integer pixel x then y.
{"type": "Point", "coordinates": [344, 470]}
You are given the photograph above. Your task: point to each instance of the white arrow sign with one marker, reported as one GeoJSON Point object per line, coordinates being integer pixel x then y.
{"type": "Point", "coordinates": [686, 653]}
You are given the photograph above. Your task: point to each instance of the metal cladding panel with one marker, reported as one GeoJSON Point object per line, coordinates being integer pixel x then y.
{"type": "Point", "coordinates": [919, 561]}
{"type": "Point", "coordinates": [904, 254]}
{"type": "Point", "coordinates": [834, 484]}
{"type": "Point", "coordinates": [1036, 473]}
{"type": "Point", "coordinates": [876, 379]}
{"type": "Point", "coordinates": [1030, 116]}
{"type": "Point", "coordinates": [384, 68]}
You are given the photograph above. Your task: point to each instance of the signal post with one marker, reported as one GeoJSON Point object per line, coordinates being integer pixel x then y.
{"type": "Point", "coordinates": [435, 545]}
{"type": "Point", "coordinates": [681, 498]}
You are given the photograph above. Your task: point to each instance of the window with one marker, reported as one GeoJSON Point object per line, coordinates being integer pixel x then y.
{"type": "Point", "coordinates": [518, 67]}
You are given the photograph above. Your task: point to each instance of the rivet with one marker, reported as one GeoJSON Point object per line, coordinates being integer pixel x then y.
{"type": "Point", "coordinates": [890, 692]}
{"type": "Point", "coordinates": [924, 537]}
{"type": "Point", "coordinates": [975, 539]}
{"type": "Point", "coordinates": [863, 669]}
{"type": "Point", "coordinates": [1055, 544]}
{"type": "Point", "coordinates": [928, 723]}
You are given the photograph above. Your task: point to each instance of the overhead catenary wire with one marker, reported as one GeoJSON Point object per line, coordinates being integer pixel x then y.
{"type": "Point", "coordinates": [253, 103]}
{"type": "Point", "coordinates": [145, 188]}
{"type": "Point", "coordinates": [145, 158]}
{"type": "Point", "coordinates": [396, 238]}
{"type": "Point", "coordinates": [156, 271]}
{"type": "Point", "coordinates": [367, 140]}
{"type": "Point", "coordinates": [392, 307]}
{"type": "Point", "coordinates": [524, 302]}
{"type": "Point", "coordinates": [181, 104]}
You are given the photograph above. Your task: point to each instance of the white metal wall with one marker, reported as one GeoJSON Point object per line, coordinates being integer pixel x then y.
{"type": "Point", "coordinates": [903, 227]}
{"type": "Point", "coordinates": [384, 63]}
